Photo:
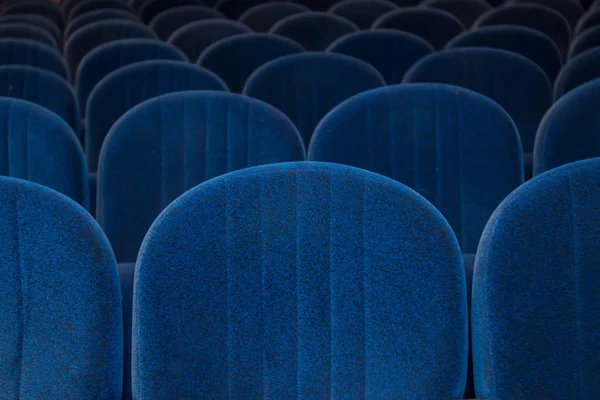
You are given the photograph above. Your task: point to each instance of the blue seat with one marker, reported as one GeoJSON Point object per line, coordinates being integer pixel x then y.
{"type": "Point", "coordinates": [527, 42]}
{"type": "Point", "coordinates": [235, 8]}
{"type": "Point", "coordinates": [62, 333]}
{"type": "Point", "coordinates": [43, 9]}
{"type": "Point", "coordinates": [435, 26]}
{"type": "Point", "coordinates": [195, 37]}
{"type": "Point", "coordinates": [168, 21]}
{"type": "Point", "coordinates": [589, 39]}
{"type": "Point", "coordinates": [467, 11]}
{"type": "Point", "coordinates": [34, 54]}
{"type": "Point", "coordinates": [317, 5]}
{"type": "Point", "coordinates": [391, 52]}
{"type": "Point", "coordinates": [36, 20]}
{"type": "Point", "coordinates": [38, 146]}
{"type": "Point", "coordinates": [140, 81]}
{"type": "Point", "coordinates": [580, 69]}
{"type": "Point", "coordinates": [151, 8]}
{"type": "Point", "coordinates": [86, 6]}
{"type": "Point", "coordinates": [314, 31]}
{"type": "Point", "coordinates": [202, 135]}
{"type": "Point", "coordinates": [535, 290]}
{"type": "Point", "coordinates": [234, 59]}
{"type": "Point", "coordinates": [308, 280]}
{"type": "Point", "coordinates": [93, 35]}
{"type": "Point", "coordinates": [307, 86]}
{"type": "Point", "coordinates": [571, 10]}
{"type": "Point", "coordinates": [569, 130]}
{"type": "Point", "coordinates": [362, 12]}
{"type": "Point", "coordinates": [457, 148]}
{"type": "Point", "coordinates": [20, 30]}
{"type": "Point", "coordinates": [111, 56]}
{"type": "Point", "coordinates": [261, 18]}
{"type": "Point", "coordinates": [96, 16]}
{"type": "Point", "coordinates": [589, 20]}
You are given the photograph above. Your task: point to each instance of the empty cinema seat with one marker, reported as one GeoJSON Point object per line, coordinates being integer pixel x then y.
{"type": "Point", "coordinates": [168, 21]}
{"type": "Point", "coordinates": [20, 30]}
{"type": "Point", "coordinates": [60, 301]}
{"type": "Point", "coordinates": [391, 52]}
{"type": "Point", "coordinates": [35, 20]}
{"type": "Point", "coordinates": [87, 6]}
{"type": "Point", "coordinates": [308, 85]}
{"type": "Point", "coordinates": [527, 42]}
{"type": "Point", "coordinates": [588, 40]}
{"type": "Point", "coordinates": [96, 16]}
{"type": "Point", "coordinates": [294, 270]}
{"type": "Point", "coordinates": [42, 8]}
{"type": "Point", "coordinates": [235, 58]}
{"type": "Point", "coordinates": [202, 134]}
{"type": "Point", "coordinates": [151, 8]}
{"type": "Point", "coordinates": [32, 53]}
{"type": "Point", "coordinates": [433, 25]}
{"type": "Point", "coordinates": [261, 18]}
{"type": "Point", "coordinates": [194, 37]}
{"type": "Point", "coordinates": [93, 35]}
{"type": "Point", "coordinates": [314, 31]}
{"type": "Point", "coordinates": [131, 85]}
{"type": "Point", "coordinates": [457, 148]}
{"type": "Point", "coordinates": [579, 70]}
{"type": "Point", "coordinates": [535, 290]}
{"type": "Point", "coordinates": [589, 20]}
{"type": "Point", "coordinates": [467, 11]}
{"type": "Point", "coordinates": [235, 8]}
{"type": "Point", "coordinates": [38, 146]}
{"type": "Point", "coordinates": [111, 56]}
{"type": "Point", "coordinates": [571, 10]}
{"type": "Point", "coordinates": [569, 131]}
{"type": "Point", "coordinates": [362, 12]}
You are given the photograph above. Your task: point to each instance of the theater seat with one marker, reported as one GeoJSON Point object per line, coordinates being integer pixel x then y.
{"type": "Point", "coordinates": [467, 11]}
{"type": "Point", "coordinates": [168, 21]}
{"type": "Point", "coordinates": [580, 69]}
{"type": "Point", "coordinates": [32, 53]}
{"type": "Point", "coordinates": [261, 18]}
{"type": "Point", "coordinates": [362, 12]}
{"type": "Point", "coordinates": [98, 15]}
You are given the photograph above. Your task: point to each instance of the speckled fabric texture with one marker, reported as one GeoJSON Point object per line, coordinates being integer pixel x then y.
{"type": "Point", "coordinates": [168, 21]}
{"type": "Point", "coordinates": [32, 53]}
{"type": "Point", "coordinates": [300, 281]}
{"type": "Point", "coordinates": [535, 302]}
{"type": "Point", "coordinates": [98, 15]}
{"type": "Point", "coordinates": [60, 301]}
{"type": "Point", "coordinates": [262, 18]}
{"type": "Point", "coordinates": [580, 69]}
{"type": "Point", "coordinates": [362, 12]}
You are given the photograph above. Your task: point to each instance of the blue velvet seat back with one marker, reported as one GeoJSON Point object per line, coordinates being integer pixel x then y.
{"type": "Point", "coordinates": [467, 11]}
{"type": "Point", "coordinates": [32, 53]}
{"type": "Point", "coordinates": [96, 16]}
{"type": "Point", "coordinates": [261, 18]}
{"type": "Point", "coordinates": [22, 30]}
{"type": "Point", "coordinates": [362, 12]}
{"type": "Point", "coordinates": [168, 21]}
{"type": "Point", "coordinates": [580, 69]}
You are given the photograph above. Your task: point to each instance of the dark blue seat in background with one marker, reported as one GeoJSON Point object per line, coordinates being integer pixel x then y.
{"type": "Point", "coordinates": [34, 54]}
{"type": "Point", "coordinates": [96, 16]}
{"type": "Point", "coordinates": [589, 20]}
{"type": "Point", "coordinates": [35, 20]}
{"type": "Point", "coordinates": [261, 18]}
{"type": "Point", "coordinates": [362, 12]}
{"type": "Point", "coordinates": [151, 8]}
{"type": "Point", "coordinates": [587, 40]}
{"type": "Point", "coordinates": [570, 9]}
{"type": "Point", "coordinates": [20, 30]}
{"type": "Point", "coordinates": [579, 70]}
{"type": "Point", "coordinates": [235, 8]}
{"type": "Point", "coordinates": [86, 6]}
{"type": "Point", "coordinates": [467, 11]}
{"type": "Point", "coordinates": [44, 9]}
{"type": "Point", "coordinates": [168, 21]}
{"type": "Point", "coordinates": [317, 5]}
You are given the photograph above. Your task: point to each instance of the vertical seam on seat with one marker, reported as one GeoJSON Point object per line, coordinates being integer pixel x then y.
{"type": "Point", "coordinates": [461, 238]}
{"type": "Point", "coordinates": [7, 136]}
{"type": "Point", "coordinates": [26, 145]}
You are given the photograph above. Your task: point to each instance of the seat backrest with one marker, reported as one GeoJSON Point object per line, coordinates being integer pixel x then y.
{"type": "Point", "coordinates": [87, 6]}
{"type": "Point", "coordinates": [96, 16]}
{"type": "Point", "coordinates": [261, 18]}
{"type": "Point", "coordinates": [44, 9]}
{"type": "Point", "coordinates": [36, 20]}
{"type": "Point", "coordinates": [21, 30]}
{"type": "Point", "coordinates": [588, 40]}
{"type": "Point", "coordinates": [535, 290]}
{"type": "Point", "coordinates": [151, 8]}
{"type": "Point", "coordinates": [168, 21]}
{"type": "Point", "coordinates": [32, 53]}
{"type": "Point", "coordinates": [309, 280]}
{"type": "Point", "coordinates": [518, 84]}
{"type": "Point", "coordinates": [202, 135]}
{"type": "Point", "coordinates": [457, 148]}
{"type": "Point", "coordinates": [362, 12]}
{"type": "Point", "coordinates": [306, 86]}
{"type": "Point", "coordinates": [589, 20]}
{"type": "Point", "coordinates": [467, 11]}
{"type": "Point", "coordinates": [580, 69]}
{"type": "Point", "coordinates": [571, 10]}
{"type": "Point", "coordinates": [121, 90]}
{"type": "Point", "coordinates": [62, 327]}
{"type": "Point", "coordinates": [235, 8]}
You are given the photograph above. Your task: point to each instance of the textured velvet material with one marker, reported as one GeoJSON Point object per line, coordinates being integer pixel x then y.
{"type": "Point", "coordinates": [435, 26]}
{"type": "Point", "coordinates": [36, 20]}
{"type": "Point", "coordinates": [306, 86]}
{"type": "Point", "coordinates": [43, 88]}
{"type": "Point", "coordinates": [362, 12]}
{"type": "Point", "coordinates": [152, 8]}
{"type": "Point", "coordinates": [457, 148]}
{"type": "Point", "coordinates": [93, 35]}
{"type": "Point", "coordinates": [235, 8]}
{"type": "Point", "coordinates": [194, 37]}
{"type": "Point", "coordinates": [21, 30]}
{"type": "Point", "coordinates": [513, 81]}
{"type": "Point", "coordinates": [60, 303]}
{"type": "Point", "coordinates": [467, 11]}
{"type": "Point", "coordinates": [543, 19]}
{"type": "Point", "coordinates": [527, 42]}
{"type": "Point", "coordinates": [586, 41]}
{"type": "Point", "coordinates": [535, 290]}
{"type": "Point", "coordinates": [87, 6]}
{"type": "Point", "coordinates": [168, 21]}
{"type": "Point", "coordinates": [589, 20]}
{"type": "Point", "coordinates": [571, 10]}
{"type": "Point", "coordinates": [129, 86]}
{"type": "Point", "coordinates": [309, 281]}
{"type": "Point", "coordinates": [580, 69]}
{"type": "Point", "coordinates": [315, 31]}
{"type": "Point", "coordinates": [111, 56]}
{"type": "Point", "coordinates": [569, 131]}
{"type": "Point", "coordinates": [44, 9]}
{"type": "Point", "coordinates": [38, 146]}
{"type": "Point", "coordinates": [32, 53]}
{"type": "Point", "coordinates": [170, 144]}
{"type": "Point", "coordinates": [126, 275]}
{"type": "Point", "coordinates": [234, 59]}
{"type": "Point", "coordinates": [262, 18]}
{"type": "Point", "coordinates": [96, 16]}
{"type": "Point", "coordinates": [391, 52]}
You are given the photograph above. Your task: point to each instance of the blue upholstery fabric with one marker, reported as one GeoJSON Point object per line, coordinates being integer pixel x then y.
{"type": "Point", "coordinates": [580, 69]}
{"type": "Point", "coordinates": [43, 88]}
{"type": "Point", "coordinates": [262, 18]}
{"type": "Point", "coordinates": [36, 20]}
{"type": "Point", "coordinates": [391, 52]}
{"type": "Point", "coordinates": [362, 12]}
{"type": "Point", "coordinates": [194, 37]}
{"type": "Point", "coordinates": [131, 85]}
{"type": "Point", "coordinates": [315, 31]}
{"type": "Point", "coordinates": [307, 86]}
{"type": "Point", "coordinates": [234, 59]}
{"type": "Point", "coordinates": [93, 35]}
{"type": "Point", "coordinates": [20, 30]}
{"type": "Point", "coordinates": [309, 281]}
{"type": "Point", "coordinates": [513, 81]}
{"type": "Point", "coordinates": [527, 42]}
{"type": "Point", "coordinates": [235, 8]}
{"type": "Point", "coordinates": [109, 57]}
{"type": "Point", "coordinates": [317, 5]}
{"type": "Point", "coordinates": [168, 21]}
{"type": "Point", "coordinates": [569, 131]}
{"type": "Point", "coordinates": [32, 53]}
{"type": "Point", "coordinates": [200, 134]}
{"type": "Point", "coordinates": [435, 26]}
{"type": "Point", "coordinates": [467, 11]}
{"type": "Point", "coordinates": [44, 9]}
{"type": "Point", "coordinates": [62, 329]}
{"type": "Point", "coordinates": [126, 276]}
{"type": "Point", "coordinates": [535, 290]}
{"type": "Point", "coordinates": [457, 148]}
{"type": "Point", "coordinates": [543, 19]}
{"type": "Point", "coordinates": [86, 6]}
{"type": "Point", "coordinates": [98, 15]}
{"type": "Point", "coordinates": [571, 10]}
{"type": "Point", "coordinates": [587, 40]}
{"type": "Point", "coordinates": [589, 20]}
{"type": "Point", "coordinates": [152, 8]}
{"type": "Point", "coordinates": [38, 146]}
